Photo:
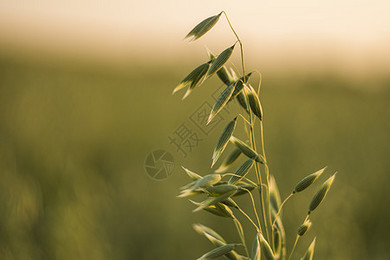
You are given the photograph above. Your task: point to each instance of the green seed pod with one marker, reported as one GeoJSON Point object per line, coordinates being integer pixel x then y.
{"type": "Point", "coordinates": [203, 27]}
{"type": "Point", "coordinates": [310, 251]}
{"type": "Point", "coordinates": [274, 194]}
{"type": "Point", "coordinates": [242, 170]}
{"type": "Point", "coordinates": [277, 242]}
{"type": "Point", "coordinates": [242, 187]}
{"type": "Point", "coordinates": [255, 252]}
{"type": "Point", "coordinates": [304, 227]}
{"type": "Point", "coordinates": [240, 84]}
{"type": "Point", "coordinates": [203, 230]}
{"type": "Point", "coordinates": [214, 200]}
{"type": "Point", "coordinates": [308, 180]}
{"type": "Point", "coordinates": [221, 189]}
{"type": "Point", "coordinates": [194, 78]}
{"type": "Point", "coordinates": [230, 159]}
{"type": "Point", "coordinates": [254, 102]}
{"type": "Point", "coordinates": [222, 58]}
{"type": "Point", "coordinates": [219, 251]}
{"type": "Point", "coordinates": [266, 249]}
{"type": "Point", "coordinates": [320, 195]}
{"type": "Point", "coordinates": [194, 176]}
{"type": "Point", "coordinates": [207, 181]}
{"type": "Point", "coordinates": [214, 210]}
{"type": "Point", "coordinates": [221, 102]}
{"type": "Point", "coordinates": [245, 149]}
{"type": "Point", "coordinates": [230, 202]}
{"type": "Point", "coordinates": [223, 140]}
{"type": "Point", "coordinates": [242, 100]}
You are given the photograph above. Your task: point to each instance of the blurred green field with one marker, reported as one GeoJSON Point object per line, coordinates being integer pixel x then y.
{"type": "Point", "coordinates": [74, 141]}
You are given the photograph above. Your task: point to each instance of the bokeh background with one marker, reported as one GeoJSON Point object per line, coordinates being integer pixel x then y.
{"type": "Point", "coordinates": [85, 96]}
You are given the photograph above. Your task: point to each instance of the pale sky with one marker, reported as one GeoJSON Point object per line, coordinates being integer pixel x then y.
{"type": "Point", "coordinates": [355, 30]}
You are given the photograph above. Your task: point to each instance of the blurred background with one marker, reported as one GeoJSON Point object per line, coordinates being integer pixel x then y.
{"type": "Point", "coordinates": [85, 97]}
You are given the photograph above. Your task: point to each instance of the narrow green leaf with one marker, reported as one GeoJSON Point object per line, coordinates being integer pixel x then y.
{"type": "Point", "coordinates": [310, 251]}
{"type": "Point", "coordinates": [245, 149]}
{"type": "Point", "coordinates": [221, 102]}
{"type": "Point", "coordinates": [242, 170]}
{"type": "Point", "coordinates": [223, 140]}
{"type": "Point", "coordinates": [203, 27]}
{"type": "Point", "coordinates": [206, 181]}
{"type": "Point", "coordinates": [308, 180]}
{"type": "Point", "coordinates": [219, 251]}
{"type": "Point", "coordinates": [222, 58]}
{"type": "Point", "coordinates": [230, 159]}
{"type": "Point", "coordinates": [320, 195]}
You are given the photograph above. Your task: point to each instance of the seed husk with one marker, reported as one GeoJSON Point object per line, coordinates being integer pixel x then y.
{"type": "Point", "coordinates": [255, 252]}
{"type": "Point", "coordinates": [219, 251]}
{"type": "Point", "coordinates": [203, 230]}
{"type": "Point", "coordinates": [245, 149]}
{"type": "Point", "coordinates": [308, 180]}
{"type": "Point", "coordinates": [310, 251]}
{"type": "Point", "coordinates": [221, 189]}
{"type": "Point", "coordinates": [242, 100]}
{"type": "Point", "coordinates": [320, 195]}
{"type": "Point", "coordinates": [203, 27]}
{"type": "Point", "coordinates": [230, 202]}
{"type": "Point", "coordinates": [222, 73]}
{"type": "Point", "coordinates": [242, 170]}
{"type": "Point", "coordinates": [216, 209]}
{"type": "Point", "coordinates": [221, 102]}
{"type": "Point", "coordinates": [187, 193]}
{"type": "Point", "coordinates": [274, 195]}
{"type": "Point", "coordinates": [214, 200]}
{"type": "Point", "coordinates": [254, 102]}
{"type": "Point", "coordinates": [304, 227]}
{"type": "Point", "coordinates": [223, 140]}
{"type": "Point", "coordinates": [240, 84]}
{"type": "Point", "coordinates": [207, 181]}
{"type": "Point", "coordinates": [195, 76]}
{"type": "Point", "coordinates": [198, 80]}
{"type": "Point", "coordinates": [243, 187]}
{"type": "Point", "coordinates": [277, 242]}
{"type": "Point", "coordinates": [266, 249]}
{"type": "Point", "coordinates": [230, 159]}
{"type": "Point", "coordinates": [222, 58]}
{"type": "Point", "coordinates": [194, 176]}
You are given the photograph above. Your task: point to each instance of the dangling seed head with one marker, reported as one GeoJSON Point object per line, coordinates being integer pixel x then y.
{"type": "Point", "coordinates": [308, 180]}
{"type": "Point", "coordinates": [304, 227]}
{"type": "Point", "coordinates": [320, 195]}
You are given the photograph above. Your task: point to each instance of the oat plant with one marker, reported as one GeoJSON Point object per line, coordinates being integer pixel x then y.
{"type": "Point", "coordinates": [215, 192]}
